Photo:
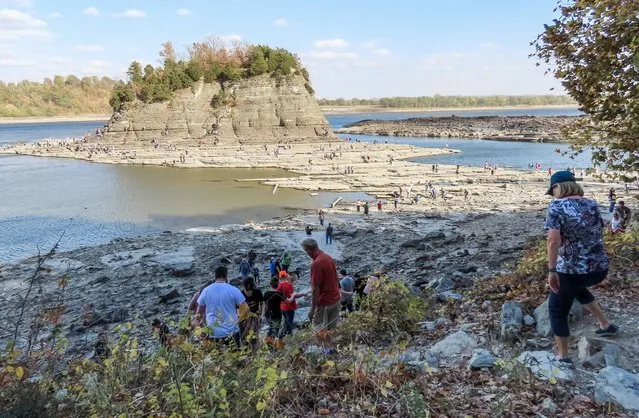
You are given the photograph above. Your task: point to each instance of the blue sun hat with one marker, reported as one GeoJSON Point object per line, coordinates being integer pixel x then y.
{"type": "Point", "coordinates": [559, 177]}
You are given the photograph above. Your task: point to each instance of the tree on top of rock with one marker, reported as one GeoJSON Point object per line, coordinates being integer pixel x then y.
{"type": "Point", "coordinates": [593, 48]}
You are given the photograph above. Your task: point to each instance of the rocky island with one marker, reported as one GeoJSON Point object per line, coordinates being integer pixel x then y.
{"type": "Point", "coordinates": [496, 128]}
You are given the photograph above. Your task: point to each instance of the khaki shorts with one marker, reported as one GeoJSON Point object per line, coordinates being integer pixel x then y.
{"type": "Point", "coordinates": [326, 317]}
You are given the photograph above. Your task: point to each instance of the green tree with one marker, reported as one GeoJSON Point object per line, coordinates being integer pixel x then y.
{"type": "Point", "coordinates": [593, 48]}
{"type": "Point", "coordinates": [257, 64]}
{"type": "Point", "coordinates": [149, 72]}
{"type": "Point", "coordinates": [194, 70]}
{"type": "Point", "coordinates": [134, 73]}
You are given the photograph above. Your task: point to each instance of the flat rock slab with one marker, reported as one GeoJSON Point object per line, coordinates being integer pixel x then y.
{"type": "Point", "coordinates": [62, 264]}
{"type": "Point", "coordinates": [181, 263]}
{"type": "Point", "coordinates": [545, 366]}
{"type": "Point", "coordinates": [126, 258]}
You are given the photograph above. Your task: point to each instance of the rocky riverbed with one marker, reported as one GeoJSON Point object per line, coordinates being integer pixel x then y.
{"type": "Point", "coordinates": [499, 128]}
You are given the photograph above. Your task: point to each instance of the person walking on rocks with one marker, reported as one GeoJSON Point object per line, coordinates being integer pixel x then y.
{"type": "Point", "coordinates": [465, 194]}
{"type": "Point", "coordinates": [577, 257]}
{"type": "Point", "coordinates": [250, 327]}
{"type": "Point", "coordinates": [379, 205]}
{"type": "Point", "coordinates": [329, 234]}
{"type": "Point", "coordinates": [321, 217]}
{"type": "Point", "coordinates": [365, 208]}
{"type": "Point", "coordinates": [245, 269]}
{"type": "Point", "coordinates": [218, 305]}
{"type": "Point", "coordinates": [286, 261]}
{"type": "Point", "coordinates": [347, 290]}
{"type": "Point", "coordinates": [612, 199]}
{"type": "Point", "coordinates": [359, 204]}
{"type": "Point", "coordinates": [324, 313]}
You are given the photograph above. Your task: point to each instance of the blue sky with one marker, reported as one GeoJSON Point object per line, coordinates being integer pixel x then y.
{"type": "Point", "coordinates": [353, 48]}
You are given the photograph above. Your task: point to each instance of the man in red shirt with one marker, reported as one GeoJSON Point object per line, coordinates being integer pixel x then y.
{"type": "Point", "coordinates": [325, 307]}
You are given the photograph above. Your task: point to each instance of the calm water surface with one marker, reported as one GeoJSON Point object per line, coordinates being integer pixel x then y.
{"type": "Point", "coordinates": [40, 198]}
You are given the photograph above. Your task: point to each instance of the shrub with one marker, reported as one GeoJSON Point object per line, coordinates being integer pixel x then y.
{"type": "Point", "coordinates": [388, 312]}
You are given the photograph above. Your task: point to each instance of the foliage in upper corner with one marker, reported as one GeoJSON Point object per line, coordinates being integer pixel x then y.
{"type": "Point", "coordinates": [210, 60]}
{"type": "Point", "coordinates": [593, 48]}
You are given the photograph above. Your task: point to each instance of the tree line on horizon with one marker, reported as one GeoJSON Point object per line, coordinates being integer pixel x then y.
{"type": "Point", "coordinates": [438, 101]}
{"type": "Point", "coordinates": [57, 96]}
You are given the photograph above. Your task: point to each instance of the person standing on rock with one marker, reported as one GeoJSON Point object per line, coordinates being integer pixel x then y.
{"type": "Point", "coordinates": [218, 305]}
{"type": "Point", "coordinates": [324, 313]}
{"type": "Point", "coordinates": [365, 208]}
{"type": "Point", "coordinates": [329, 234]}
{"type": "Point", "coordinates": [379, 205]}
{"type": "Point", "coordinates": [321, 217]}
{"type": "Point", "coordinates": [612, 200]}
{"type": "Point", "coordinates": [577, 257]}
{"type": "Point", "coordinates": [359, 204]}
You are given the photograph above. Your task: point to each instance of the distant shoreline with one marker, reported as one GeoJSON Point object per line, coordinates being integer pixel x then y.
{"type": "Point", "coordinates": [327, 110]}
{"type": "Point", "coordinates": [54, 119]}
{"type": "Point", "coordinates": [334, 110]}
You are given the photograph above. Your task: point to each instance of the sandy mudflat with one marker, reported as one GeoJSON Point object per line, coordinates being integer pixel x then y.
{"type": "Point", "coordinates": [52, 119]}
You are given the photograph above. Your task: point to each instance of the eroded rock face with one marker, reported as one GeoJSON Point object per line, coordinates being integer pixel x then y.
{"type": "Point", "coordinates": [619, 387]}
{"type": "Point", "coordinates": [261, 109]}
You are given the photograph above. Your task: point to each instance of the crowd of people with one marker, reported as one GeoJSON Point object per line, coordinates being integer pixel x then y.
{"type": "Point", "coordinates": [235, 316]}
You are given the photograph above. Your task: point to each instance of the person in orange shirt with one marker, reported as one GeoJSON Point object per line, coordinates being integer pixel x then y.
{"type": "Point", "coordinates": [289, 305]}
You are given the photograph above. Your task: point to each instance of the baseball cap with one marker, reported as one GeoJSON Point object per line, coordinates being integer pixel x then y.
{"type": "Point", "coordinates": [559, 177]}
{"type": "Point", "coordinates": [283, 274]}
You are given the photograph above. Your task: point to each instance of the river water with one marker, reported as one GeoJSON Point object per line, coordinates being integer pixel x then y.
{"type": "Point", "coordinates": [42, 198]}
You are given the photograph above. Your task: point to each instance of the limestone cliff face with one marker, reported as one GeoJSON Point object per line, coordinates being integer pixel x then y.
{"type": "Point", "coordinates": [261, 109]}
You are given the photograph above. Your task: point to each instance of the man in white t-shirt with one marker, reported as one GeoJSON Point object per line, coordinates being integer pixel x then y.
{"type": "Point", "coordinates": [219, 304]}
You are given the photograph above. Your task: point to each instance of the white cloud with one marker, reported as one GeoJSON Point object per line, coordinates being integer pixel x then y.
{"type": "Point", "coordinates": [280, 22]}
{"type": "Point", "coordinates": [332, 55]}
{"type": "Point", "coordinates": [234, 37]}
{"type": "Point", "coordinates": [331, 43]}
{"type": "Point", "coordinates": [88, 48]}
{"type": "Point", "coordinates": [382, 52]}
{"type": "Point", "coordinates": [183, 12]}
{"type": "Point", "coordinates": [17, 3]}
{"type": "Point", "coordinates": [15, 24]}
{"type": "Point", "coordinates": [98, 67]}
{"type": "Point", "coordinates": [15, 62]}
{"type": "Point", "coordinates": [134, 13]}
{"type": "Point", "coordinates": [55, 15]}
{"type": "Point", "coordinates": [91, 11]}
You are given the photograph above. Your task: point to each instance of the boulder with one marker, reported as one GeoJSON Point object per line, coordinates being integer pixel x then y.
{"type": "Point", "coordinates": [511, 320]}
{"type": "Point", "coordinates": [173, 294]}
{"type": "Point", "coordinates": [449, 295]}
{"type": "Point", "coordinates": [545, 366]}
{"type": "Point", "coordinates": [549, 406]}
{"type": "Point", "coordinates": [444, 284]}
{"type": "Point", "coordinates": [481, 359]}
{"type": "Point", "coordinates": [180, 263]}
{"type": "Point", "coordinates": [618, 387]}
{"type": "Point", "coordinates": [454, 345]}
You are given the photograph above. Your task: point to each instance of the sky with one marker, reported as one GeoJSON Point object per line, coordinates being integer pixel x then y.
{"type": "Point", "coordinates": [352, 48]}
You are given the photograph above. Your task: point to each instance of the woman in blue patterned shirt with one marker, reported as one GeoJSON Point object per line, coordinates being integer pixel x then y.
{"type": "Point", "coordinates": [577, 257]}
